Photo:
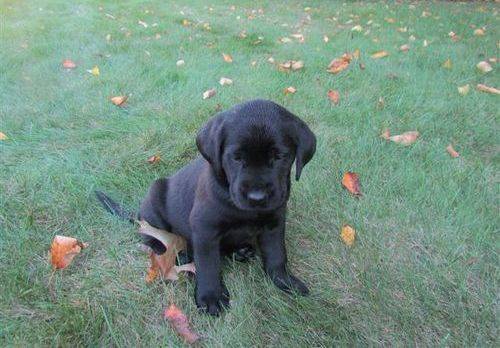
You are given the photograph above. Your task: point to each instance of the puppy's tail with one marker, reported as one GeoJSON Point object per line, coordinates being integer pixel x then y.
{"type": "Point", "coordinates": [114, 208]}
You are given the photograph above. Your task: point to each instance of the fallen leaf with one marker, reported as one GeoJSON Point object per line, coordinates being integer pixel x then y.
{"type": "Point", "coordinates": [390, 20]}
{"type": "Point", "coordinates": [356, 54]}
{"type": "Point", "coordinates": [334, 96]}
{"type": "Point", "coordinates": [180, 62]}
{"type": "Point", "coordinates": [380, 102]}
{"type": "Point", "coordinates": [3, 136]}
{"type": "Point", "coordinates": [404, 48]}
{"type": "Point", "coordinates": [227, 58]}
{"type": "Point", "coordinates": [407, 138]}
{"type": "Point", "coordinates": [351, 182]}
{"type": "Point", "coordinates": [186, 23]}
{"type": "Point", "coordinates": [339, 64]}
{"type": "Point", "coordinates": [154, 159]}
{"type": "Point", "coordinates": [425, 43]}
{"type": "Point", "coordinates": [326, 38]}
{"type": "Point", "coordinates": [380, 54]}
{"type": "Point", "coordinates": [290, 90]}
{"type": "Point", "coordinates": [291, 65]}
{"type": "Point", "coordinates": [94, 71]}
{"type": "Point", "coordinates": [270, 60]}
{"type": "Point", "coordinates": [180, 323]}
{"type": "Point", "coordinates": [447, 64]}
{"type": "Point", "coordinates": [479, 32]}
{"type": "Point", "coordinates": [164, 264]}
{"type": "Point", "coordinates": [487, 89]}
{"type": "Point", "coordinates": [144, 24]}
{"type": "Point", "coordinates": [63, 250]}
{"type": "Point", "coordinates": [357, 28]}
{"type": "Point", "coordinates": [463, 90]}
{"type": "Point", "coordinates": [285, 40]}
{"type": "Point", "coordinates": [225, 81]}
{"type": "Point", "coordinates": [119, 100]}
{"type": "Point", "coordinates": [209, 93]}
{"type": "Point", "coordinates": [452, 151]}
{"type": "Point", "coordinates": [484, 66]}
{"type": "Point", "coordinates": [68, 64]}
{"type": "Point", "coordinates": [348, 234]}
{"type": "Point", "coordinates": [298, 37]}
{"type": "Point", "coordinates": [362, 66]}
{"type": "Point", "coordinates": [386, 134]}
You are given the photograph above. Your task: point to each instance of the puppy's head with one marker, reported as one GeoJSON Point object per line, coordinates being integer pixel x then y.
{"type": "Point", "coordinates": [252, 147]}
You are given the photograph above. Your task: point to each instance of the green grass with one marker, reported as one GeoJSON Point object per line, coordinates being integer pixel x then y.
{"type": "Point", "coordinates": [424, 268]}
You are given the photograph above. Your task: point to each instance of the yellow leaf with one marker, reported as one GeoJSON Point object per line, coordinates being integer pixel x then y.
{"type": "Point", "coordinates": [94, 71]}
{"type": "Point", "coordinates": [380, 54]}
{"type": "Point", "coordinates": [3, 136]}
{"type": "Point", "coordinates": [348, 234]}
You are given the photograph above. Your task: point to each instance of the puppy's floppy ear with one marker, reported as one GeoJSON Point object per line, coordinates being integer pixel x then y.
{"type": "Point", "coordinates": [210, 143]}
{"type": "Point", "coordinates": [303, 139]}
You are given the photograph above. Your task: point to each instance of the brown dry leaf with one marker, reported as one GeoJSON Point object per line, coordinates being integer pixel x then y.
{"type": "Point", "coordinates": [404, 48]}
{"type": "Point", "coordinates": [209, 93]}
{"type": "Point", "coordinates": [463, 90]}
{"type": "Point", "coordinates": [348, 235]}
{"type": "Point", "coordinates": [63, 250]}
{"type": "Point", "coordinates": [479, 32]}
{"type": "Point", "coordinates": [484, 66]}
{"type": "Point", "coordinates": [119, 100]}
{"type": "Point", "coordinates": [227, 58]}
{"type": "Point", "coordinates": [180, 323]}
{"type": "Point", "coordinates": [3, 136]}
{"type": "Point", "coordinates": [164, 264]}
{"type": "Point", "coordinates": [447, 64]}
{"type": "Point", "coordinates": [290, 90]}
{"type": "Point", "coordinates": [339, 64]}
{"type": "Point", "coordinates": [406, 138]}
{"type": "Point", "coordinates": [452, 151]}
{"type": "Point", "coordinates": [154, 159]}
{"type": "Point", "coordinates": [334, 96]}
{"type": "Point", "coordinates": [487, 89]}
{"type": "Point", "coordinates": [291, 65]}
{"type": "Point", "coordinates": [380, 54]}
{"type": "Point", "coordinates": [68, 64]}
{"type": "Point", "coordinates": [351, 182]}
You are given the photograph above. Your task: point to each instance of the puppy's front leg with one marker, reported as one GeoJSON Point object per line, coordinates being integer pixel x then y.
{"type": "Point", "coordinates": [272, 246]}
{"type": "Point", "coordinates": [210, 292]}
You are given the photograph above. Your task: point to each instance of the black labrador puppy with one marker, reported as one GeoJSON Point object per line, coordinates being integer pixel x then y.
{"type": "Point", "coordinates": [235, 193]}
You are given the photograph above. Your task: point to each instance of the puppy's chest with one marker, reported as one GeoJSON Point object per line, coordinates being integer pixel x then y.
{"type": "Point", "coordinates": [247, 226]}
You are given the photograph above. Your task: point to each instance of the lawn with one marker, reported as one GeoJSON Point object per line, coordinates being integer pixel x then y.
{"type": "Point", "coordinates": [423, 270]}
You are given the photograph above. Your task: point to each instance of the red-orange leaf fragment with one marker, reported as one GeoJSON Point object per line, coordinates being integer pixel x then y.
{"type": "Point", "coordinates": [119, 100]}
{"type": "Point", "coordinates": [180, 323]}
{"type": "Point", "coordinates": [339, 64]}
{"type": "Point", "coordinates": [68, 64]}
{"type": "Point", "coordinates": [351, 182]}
{"type": "Point", "coordinates": [334, 96]}
{"type": "Point", "coordinates": [63, 250]}
{"type": "Point", "coordinates": [227, 58]}
{"type": "Point", "coordinates": [154, 159]}
{"type": "Point", "coordinates": [452, 151]}
{"type": "Point", "coordinates": [487, 89]}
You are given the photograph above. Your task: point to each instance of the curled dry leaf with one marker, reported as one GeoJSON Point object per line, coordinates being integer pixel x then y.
{"type": "Point", "coordinates": [380, 54]}
{"type": "Point", "coordinates": [487, 89]}
{"type": "Point", "coordinates": [209, 93]}
{"type": "Point", "coordinates": [225, 81]}
{"type": "Point", "coordinates": [334, 96]}
{"type": "Point", "coordinates": [164, 264]}
{"type": "Point", "coordinates": [290, 90]}
{"type": "Point", "coordinates": [351, 182]}
{"type": "Point", "coordinates": [180, 323]}
{"type": "Point", "coordinates": [63, 250]}
{"type": "Point", "coordinates": [154, 159]}
{"type": "Point", "coordinates": [452, 151]}
{"type": "Point", "coordinates": [348, 235]}
{"type": "Point", "coordinates": [339, 64]}
{"type": "Point", "coordinates": [406, 138]}
{"type": "Point", "coordinates": [484, 66]}
{"type": "Point", "coordinates": [119, 100]}
{"type": "Point", "coordinates": [3, 136]}
{"type": "Point", "coordinates": [68, 64]}
{"type": "Point", "coordinates": [227, 58]}
{"type": "Point", "coordinates": [463, 90]}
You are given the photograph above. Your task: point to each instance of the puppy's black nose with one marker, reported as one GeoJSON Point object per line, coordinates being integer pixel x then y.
{"type": "Point", "coordinates": [256, 196]}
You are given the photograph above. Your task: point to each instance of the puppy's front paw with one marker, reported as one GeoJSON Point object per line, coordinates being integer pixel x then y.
{"type": "Point", "coordinates": [212, 302]}
{"type": "Point", "coordinates": [289, 283]}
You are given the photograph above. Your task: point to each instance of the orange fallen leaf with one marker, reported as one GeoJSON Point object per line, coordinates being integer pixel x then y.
{"type": "Point", "coordinates": [339, 64]}
{"type": "Point", "coordinates": [406, 138]}
{"type": "Point", "coordinates": [484, 66]}
{"type": "Point", "coordinates": [380, 54]}
{"type": "Point", "coordinates": [63, 250]}
{"type": "Point", "coordinates": [3, 136]}
{"type": "Point", "coordinates": [164, 264]}
{"type": "Point", "coordinates": [68, 64]}
{"type": "Point", "coordinates": [290, 90]}
{"type": "Point", "coordinates": [351, 182]}
{"type": "Point", "coordinates": [209, 93]}
{"type": "Point", "coordinates": [227, 58]}
{"type": "Point", "coordinates": [154, 159]}
{"type": "Point", "coordinates": [348, 235]}
{"type": "Point", "coordinates": [334, 96]}
{"type": "Point", "coordinates": [487, 89]}
{"type": "Point", "coordinates": [119, 100]}
{"type": "Point", "coordinates": [452, 151]}
{"type": "Point", "coordinates": [180, 323]}
{"type": "Point", "coordinates": [463, 90]}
